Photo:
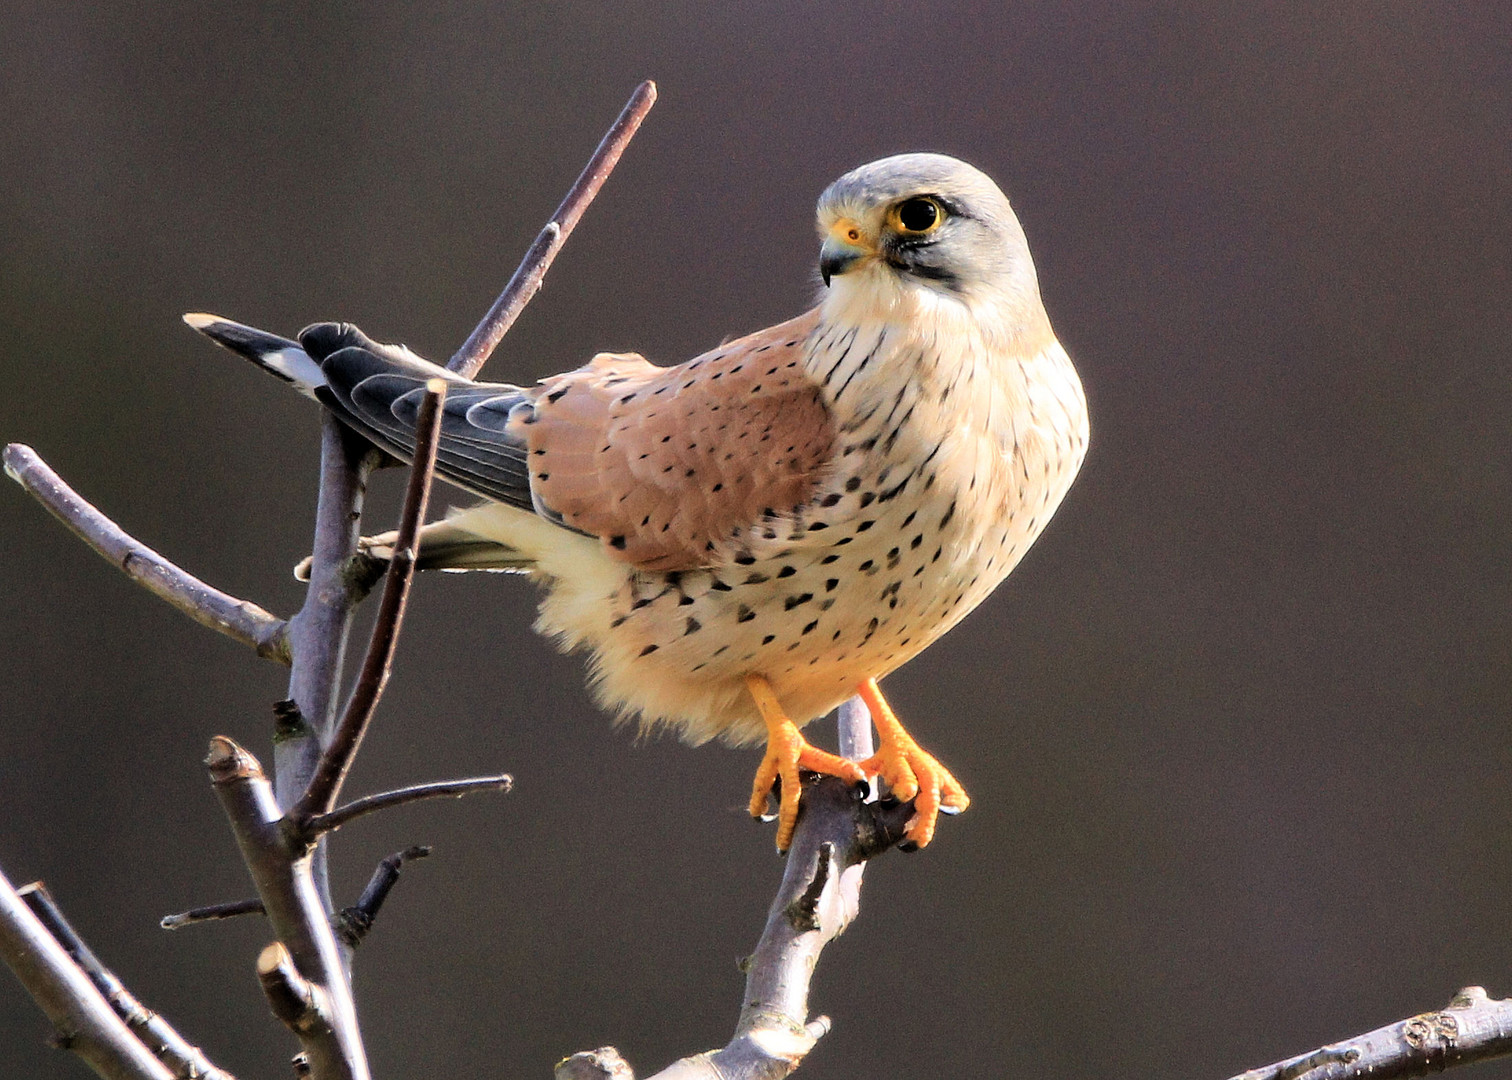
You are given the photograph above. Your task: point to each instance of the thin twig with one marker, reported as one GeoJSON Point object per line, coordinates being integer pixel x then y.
{"type": "Point", "coordinates": [186, 1061]}
{"type": "Point", "coordinates": [320, 796]}
{"type": "Point", "coordinates": [241, 620]}
{"type": "Point", "coordinates": [212, 913]}
{"type": "Point", "coordinates": [279, 859]}
{"type": "Point", "coordinates": [352, 924]}
{"type": "Point", "coordinates": [527, 278]}
{"type": "Point", "coordinates": [85, 1022]}
{"type": "Point", "coordinates": [441, 789]}
{"type": "Point", "coordinates": [1472, 1027]}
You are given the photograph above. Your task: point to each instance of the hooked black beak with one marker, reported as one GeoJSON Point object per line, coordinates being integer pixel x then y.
{"type": "Point", "coordinates": [836, 257]}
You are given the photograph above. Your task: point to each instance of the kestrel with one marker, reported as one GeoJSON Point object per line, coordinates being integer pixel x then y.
{"type": "Point", "coordinates": [744, 540]}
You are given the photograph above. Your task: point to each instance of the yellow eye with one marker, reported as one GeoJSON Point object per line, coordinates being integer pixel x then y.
{"type": "Point", "coordinates": [917, 216]}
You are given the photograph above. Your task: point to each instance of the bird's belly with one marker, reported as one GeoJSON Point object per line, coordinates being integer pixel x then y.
{"type": "Point", "coordinates": [815, 618]}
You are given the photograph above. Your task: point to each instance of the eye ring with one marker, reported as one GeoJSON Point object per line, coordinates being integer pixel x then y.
{"type": "Point", "coordinates": [917, 216]}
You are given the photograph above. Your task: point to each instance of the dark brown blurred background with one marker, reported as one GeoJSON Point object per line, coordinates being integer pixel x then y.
{"type": "Point", "coordinates": [1236, 729]}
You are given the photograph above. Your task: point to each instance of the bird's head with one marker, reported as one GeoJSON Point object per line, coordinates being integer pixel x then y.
{"type": "Point", "coordinates": [924, 227]}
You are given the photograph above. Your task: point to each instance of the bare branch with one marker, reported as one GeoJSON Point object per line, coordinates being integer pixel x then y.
{"type": "Point", "coordinates": [441, 789]}
{"type": "Point", "coordinates": [85, 1022]}
{"type": "Point", "coordinates": [839, 829]}
{"type": "Point", "coordinates": [352, 924]}
{"type": "Point", "coordinates": [318, 633]}
{"type": "Point", "coordinates": [526, 282]}
{"type": "Point", "coordinates": [1471, 1028]}
{"type": "Point", "coordinates": [212, 913]}
{"type": "Point", "coordinates": [855, 730]}
{"type": "Point", "coordinates": [239, 619]}
{"type": "Point", "coordinates": [320, 796]}
{"type": "Point", "coordinates": [279, 859]}
{"type": "Point", "coordinates": [187, 1062]}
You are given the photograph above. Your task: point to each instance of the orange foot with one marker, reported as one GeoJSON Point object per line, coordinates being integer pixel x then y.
{"type": "Point", "coordinates": [910, 772]}
{"type": "Point", "coordinates": [786, 753]}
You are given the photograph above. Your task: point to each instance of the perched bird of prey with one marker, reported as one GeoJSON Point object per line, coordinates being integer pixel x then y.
{"type": "Point", "coordinates": [744, 540]}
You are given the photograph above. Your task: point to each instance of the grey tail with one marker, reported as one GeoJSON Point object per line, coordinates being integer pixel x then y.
{"type": "Point", "coordinates": [278, 356]}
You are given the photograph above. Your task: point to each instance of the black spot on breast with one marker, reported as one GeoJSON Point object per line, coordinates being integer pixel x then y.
{"type": "Point", "coordinates": [755, 578]}
{"type": "Point", "coordinates": [693, 626]}
{"type": "Point", "coordinates": [793, 601]}
{"type": "Point", "coordinates": [648, 650]}
{"type": "Point", "coordinates": [786, 571]}
{"type": "Point", "coordinates": [617, 542]}
{"type": "Point", "coordinates": [828, 559]}
{"type": "Point", "coordinates": [831, 499]}
{"type": "Point", "coordinates": [829, 586]}
{"type": "Point", "coordinates": [853, 483]}
{"type": "Point", "coordinates": [744, 614]}
{"type": "Point", "coordinates": [769, 639]}
{"type": "Point", "coordinates": [915, 542]}
{"type": "Point", "coordinates": [863, 526]}
{"type": "Point", "coordinates": [950, 513]}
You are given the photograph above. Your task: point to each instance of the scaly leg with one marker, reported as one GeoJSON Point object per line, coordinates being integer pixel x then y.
{"type": "Point", "coordinates": [787, 751]}
{"type": "Point", "coordinates": [909, 771]}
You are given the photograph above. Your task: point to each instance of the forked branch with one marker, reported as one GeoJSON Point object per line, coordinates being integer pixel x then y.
{"type": "Point", "coordinates": [838, 831]}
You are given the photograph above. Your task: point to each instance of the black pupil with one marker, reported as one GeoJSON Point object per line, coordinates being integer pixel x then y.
{"type": "Point", "coordinates": [917, 215]}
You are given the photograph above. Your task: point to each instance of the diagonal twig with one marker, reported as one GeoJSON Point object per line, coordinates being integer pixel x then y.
{"type": "Point", "coordinates": [320, 795]}
{"type": "Point", "coordinates": [186, 1061]}
{"type": "Point", "coordinates": [1472, 1027]}
{"type": "Point", "coordinates": [85, 1022]}
{"type": "Point", "coordinates": [239, 619]}
{"type": "Point", "coordinates": [441, 789]}
{"type": "Point", "coordinates": [527, 278]}
{"type": "Point", "coordinates": [352, 924]}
